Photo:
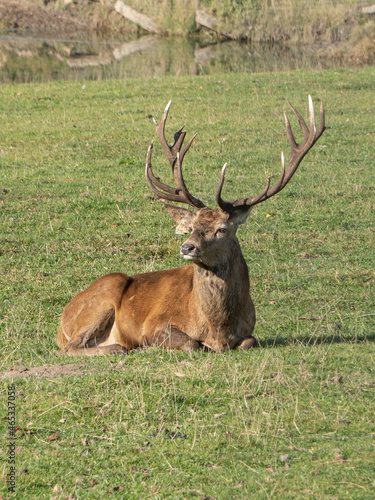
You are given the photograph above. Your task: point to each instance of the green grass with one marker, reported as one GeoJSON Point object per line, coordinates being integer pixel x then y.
{"type": "Point", "coordinates": [75, 205]}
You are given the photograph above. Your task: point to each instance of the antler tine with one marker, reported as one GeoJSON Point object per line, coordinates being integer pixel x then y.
{"type": "Point", "coordinates": [179, 136]}
{"type": "Point", "coordinates": [301, 122]}
{"type": "Point", "coordinates": [322, 125]}
{"type": "Point", "coordinates": [175, 157]}
{"type": "Point", "coordinates": [153, 181]}
{"type": "Point", "coordinates": [180, 183]}
{"type": "Point", "coordinates": [298, 151]}
{"type": "Point", "coordinates": [224, 205]}
{"type": "Point", "coordinates": [178, 139]}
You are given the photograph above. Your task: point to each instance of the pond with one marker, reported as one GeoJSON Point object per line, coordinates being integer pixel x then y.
{"type": "Point", "coordinates": [39, 58]}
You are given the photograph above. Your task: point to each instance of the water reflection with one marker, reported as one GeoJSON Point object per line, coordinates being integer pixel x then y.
{"type": "Point", "coordinates": [28, 59]}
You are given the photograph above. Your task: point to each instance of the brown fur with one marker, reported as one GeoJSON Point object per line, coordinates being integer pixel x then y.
{"type": "Point", "coordinates": [206, 303]}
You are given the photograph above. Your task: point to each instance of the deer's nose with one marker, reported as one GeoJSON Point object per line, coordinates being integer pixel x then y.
{"type": "Point", "coordinates": [187, 248]}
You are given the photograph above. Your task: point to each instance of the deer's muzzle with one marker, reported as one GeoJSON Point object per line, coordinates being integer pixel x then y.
{"type": "Point", "coordinates": [189, 251]}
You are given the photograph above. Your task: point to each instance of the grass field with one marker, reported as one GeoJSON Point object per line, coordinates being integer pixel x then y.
{"type": "Point", "coordinates": [291, 419]}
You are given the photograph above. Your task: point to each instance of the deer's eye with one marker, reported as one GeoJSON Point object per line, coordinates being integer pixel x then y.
{"type": "Point", "coordinates": [219, 232]}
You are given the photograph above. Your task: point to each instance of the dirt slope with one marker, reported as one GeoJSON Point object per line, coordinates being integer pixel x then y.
{"type": "Point", "coordinates": [22, 14]}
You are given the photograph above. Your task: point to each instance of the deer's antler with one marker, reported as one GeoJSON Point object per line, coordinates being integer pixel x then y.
{"type": "Point", "coordinates": [298, 151]}
{"type": "Point", "coordinates": [175, 156]}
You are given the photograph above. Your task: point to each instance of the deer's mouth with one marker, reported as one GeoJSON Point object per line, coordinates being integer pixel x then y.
{"type": "Point", "coordinates": [190, 252]}
{"type": "Point", "coordinates": [190, 257]}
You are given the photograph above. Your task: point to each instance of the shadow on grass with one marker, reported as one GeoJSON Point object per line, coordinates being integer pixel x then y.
{"type": "Point", "coordinates": [315, 340]}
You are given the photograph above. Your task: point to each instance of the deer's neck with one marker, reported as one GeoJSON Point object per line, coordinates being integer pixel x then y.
{"type": "Point", "coordinates": [223, 290]}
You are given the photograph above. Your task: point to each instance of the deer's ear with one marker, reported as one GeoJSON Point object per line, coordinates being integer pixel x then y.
{"type": "Point", "coordinates": [239, 216]}
{"type": "Point", "coordinates": [182, 216]}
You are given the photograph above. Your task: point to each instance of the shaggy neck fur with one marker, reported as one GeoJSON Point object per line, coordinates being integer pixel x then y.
{"type": "Point", "coordinates": [223, 289]}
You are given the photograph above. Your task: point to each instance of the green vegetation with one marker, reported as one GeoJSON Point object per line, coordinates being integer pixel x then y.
{"type": "Point", "coordinates": [292, 419]}
{"type": "Point", "coordinates": [337, 27]}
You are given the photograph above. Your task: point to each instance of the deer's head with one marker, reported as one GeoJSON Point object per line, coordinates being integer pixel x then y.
{"type": "Point", "coordinates": [213, 231]}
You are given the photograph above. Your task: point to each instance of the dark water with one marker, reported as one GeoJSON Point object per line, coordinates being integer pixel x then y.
{"type": "Point", "coordinates": [40, 58]}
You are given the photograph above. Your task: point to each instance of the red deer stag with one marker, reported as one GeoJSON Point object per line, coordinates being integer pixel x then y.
{"type": "Point", "coordinates": [204, 304]}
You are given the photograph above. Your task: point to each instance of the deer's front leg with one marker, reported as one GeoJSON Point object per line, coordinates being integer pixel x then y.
{"type": "Point", "coordinates": [72, 349]}
{"type": "Point", "coordinates": [247, 343]}
{"type": "Point", "coordinates": [173, 338]}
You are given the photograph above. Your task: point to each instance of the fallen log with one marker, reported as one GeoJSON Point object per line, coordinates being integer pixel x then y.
{"type": "Point", "coordinates": [209, 22]}
{"type": "Point", "coordinates": [136, 17]}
